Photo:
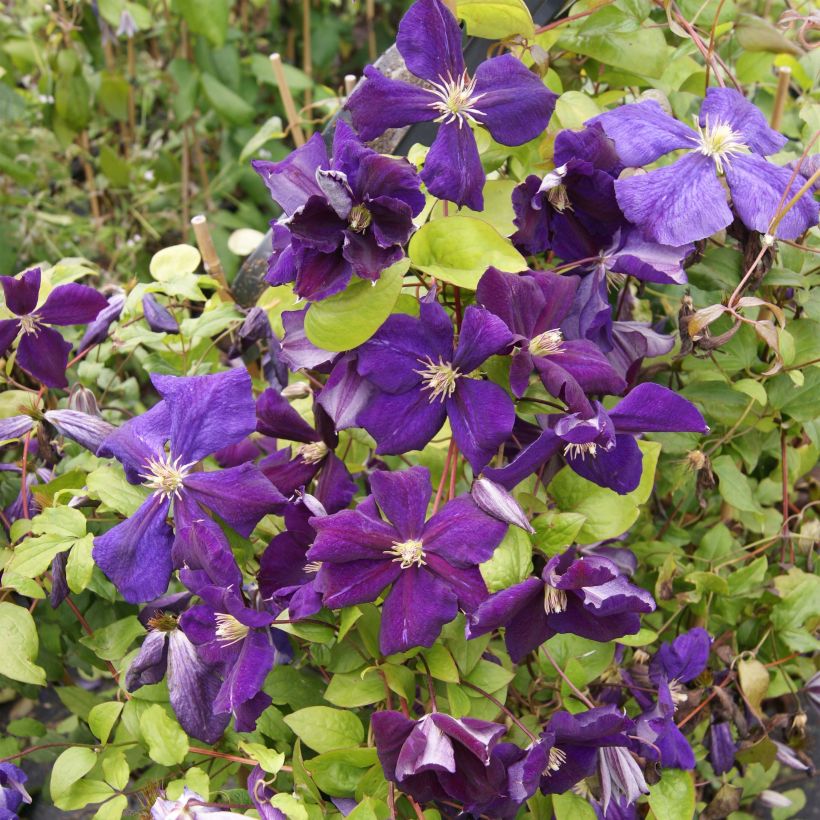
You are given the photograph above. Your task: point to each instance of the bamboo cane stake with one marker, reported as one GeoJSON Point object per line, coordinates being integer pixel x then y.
{"type": "Point", "coordinates": [350, 84]}
{"type": "Point", "coordinates": [370, 16]}
{"type": "Point", "coordinates": [784, 74]}
{"type": "Point", "coordinates": [287, 100]}
{"type": "Point", "coordinates": [307, 49]}
{"type": "Point", "coordinates": [209, 255]}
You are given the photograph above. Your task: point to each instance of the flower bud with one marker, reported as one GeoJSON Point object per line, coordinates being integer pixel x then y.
{"type": "Point", "coordinates": [774, 800]}
{"type": "Point", "coordinates": [157, 316]}
{"type": "Point", "coordinates": [15, 427]}
{"type": "Point", "coordinates": [494, 500]}
{"type": "Point", "coordinates": [83, 400]}
{"type": "Point", "coordinates": [85, 429]}
{"type": "Point", "coordinates": [297, 390]}
{"type": "Point", "coordinates": [255, 327]}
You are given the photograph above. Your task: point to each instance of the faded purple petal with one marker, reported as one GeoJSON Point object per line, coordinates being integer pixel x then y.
{"type": "Point", "coordinates": [15, 427]}
{"type": "Point", "coordinates": [85, 428]}
{"type": "Point", "coordinates": [654, 408]}
{"type": "Point", "coordinates": [97, 331]}
{"type": "Point", "coordinates": [345, 394]}
{"type": "Point", "coordinates": [633, 255]}
{"type": "Point", "coordinates": [150, 664]}
{"type": "Point", "coordinates": [298, 352]}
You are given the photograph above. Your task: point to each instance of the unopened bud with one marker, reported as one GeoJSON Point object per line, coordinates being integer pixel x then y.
{"type": "Point", "coordinates": [255, 327]}
{"type": "Point", "coordinates": [83, 400]}
{"type": "Point", "coordinates": [774, 800]}
{"type": "Point", "coordinates": [297, 390]}
{"type": "Point", "coordinates": [494, 500]}
{"type": "Point", "coordinates": [87, 430]}
{"type": "Point", "coordinates": [15, 427]}
{"type": "Point", "coordinates": [158, 317]}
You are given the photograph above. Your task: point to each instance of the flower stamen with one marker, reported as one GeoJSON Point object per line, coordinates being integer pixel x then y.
{"type": "Point", "coordinates": [581, 450]}
{"type": "Point", "coordinates": [229, 630]}
{"type": "Point", "coordinates": [719, 141]}
{"type": "Point", "coordinates": [555, 600]}
{"type": "Point", "coordinates": [359, 218]}
{"type": "Point", "coordinates": [165, 476]}
{"type": "Point", "coordinates": [547, 343]}
{"type": "Point", "coordinates": [557, 758]}
{"type": "Point", "coordinates": [456, 99]}
{"type": "Point", "coordinates": [312, 567]}
{"type": "Point", "coordinates": [439, 378]}
{"type": "Point", "coordinates": [29, 323]}
{"type": "Point", "coordinates": [407, 553]}
{"type": "Point", "coordinates": [313, 453]}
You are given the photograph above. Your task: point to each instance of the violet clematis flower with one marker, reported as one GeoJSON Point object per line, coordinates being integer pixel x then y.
{"type": "Point", "coordinates": [197, 416]}
{"type": "Point", "coordinates": [157, 316]}
{"type": "Point", "coordinates": [351, 214]}
{"type": "Point", "coordinates": [424, 378]}
{"type": "Point", "coordinates": [685, 201]}
{"type": "Point", "coordinates": [504, 96]}
{"type": "Point", "coordinates": [42, 352]}
{"type": "Point", "coordinates": [603, 448]}
{"type": "Point", "coordinates": [431, 565]}
{"type": "Point", "coordinates": [575, 741]}
{"type": "Point", "coordinates": [533, 306]}
{"type": "Point", "coordinates": [315, 458]}
{"type": "Point", "coordinates": [620, 775]}
{"type": "Point", "coordinates": [722, 747]}
{"type": "Point", "coordinates": [261, 795]}
{"type": "Point", "coordinates": [664, 742]}
{"type": "Point", "coordinates": [681, 661]}
{"type": "Point", "coordinates": [12, 790]}
{"type": "Point", "coordinates": [581, 595]}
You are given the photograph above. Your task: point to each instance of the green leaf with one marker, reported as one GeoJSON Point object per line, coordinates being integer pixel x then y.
{"type": "Point", "coordinates": [673, 796]}
{"type": "Point", "coordinates": [511, 562]}
{"type": "Point", "coordinates": [754, 682]}
{"type": "Point", "coordinates": [569, 806]}
{"type": "Point", "coordinates": [82, 793]}
{"type": "Point", "coordinates": [290, 806]}
{"type": "Point", "coordinates": [174, 261]}
{"type": "Point", "coordinates": [573, 109]}
{"type": "Point", "coordinates": [458, 249]}
{"type": "Point", "coordinates": [228, 104]}
{"type": "Point", "coordinates": [112, 809]}
{"type": "Point", "coordinates": [734, 486]}
{"type": "Point", "coordinates": [80, 565]}
{"type": "Point", "coordinates": [643, 637]}
{"type": "Point", "coordinates": [114, 167]}
{"type": "Point", "coordinates": [643, 52]}
{"type": "Point", "coordinates": [270, 760]}
{"type": "Point", "coordinates": [498, 209]}
{"type": "Point", "coordinates": [441, 663]}
{"type": "Point", "coordinates": [167, 743]}
{"type": "Point", "coordinates": [325, 729]}
{"type": "Point", "coordinates": [108, 484]}
{"type": "Point", "coordinates": [496, 19]}
{"type": "Point", "coordinates": [20, 645]}
{"type": "Point", "coordinates": [555, 531]}
{"type": "Point", "coordinates": [111, 642]}
{"type": "Point", "coordinates": [350, 690]}
{"type": "Point", "coordinates": [113, 94]}
{"type": "Point", "coordinates": [270, 130]}
{"type": "Point", "coordinates": [339, 772]}
{"type": "Point", "coordinates": [349, 318]}
{"type": "Point", "coordinates": [489, 676]}
{"type": "Point", "coordinates": [115, 768]}
{"type": "Point", "coordinates": [206, 17]}
{"type": "Point", "coordinates": [743, 581]}
{"type": "Point", "coordinates": [69, 767]}
{"type": "Point", "coordinates": [101, 719]}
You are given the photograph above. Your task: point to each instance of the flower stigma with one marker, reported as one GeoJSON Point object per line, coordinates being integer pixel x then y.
{"type": "Point", "coordinates": [547, 343]}
{"type": "Point", "coordinates": [166, 476]}
{"type": "Point", "coordinates": [407, 553]}
{"type": "Point", "coordinates": [456, 99]}
{"type": "Point", "coordinates": [439, 378]}
{"type": "Point", "coordinates": [228, 630]}
{"type": "Point", "coordinates": [719, 142]}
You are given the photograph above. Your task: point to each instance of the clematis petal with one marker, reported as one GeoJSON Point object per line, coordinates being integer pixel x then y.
{"type": "Point", "coordinates": [9, 328]}
{"type": "Point", "coordinates": [404, 422]}
{"type": "Point", "coordinates": [381, 177]}
{"type": "Point", "coordinates": [335, 187]}
{"type": "Point", "coordinates": [298, 352]}
{"type": "Point", "coordinates": [15, 427]}
{"type": "Point", "coordinates": [643, 131]}
{"type": "Point", "coordinates": [683, 659]}
{"type": "Point", "coordinates": [676, 204]}
{"type": "Point", "coordinates": [22, 292]}
{"type": "Point", "coordinates": [727, 106]}
{"type": "Point", "coordinates": [150, 664]}
{"type": "Point", "coordinates": [619, 469]}
{"type": "Point", "coordinates": [467, 582]}
{"type": "Point", "coordinates": [355, 582]}
{"type": "Point", "coordinates": [481, 415]}
{"type": "Point", "coordinates": [97, 331]}
{"type": "Point", "coordinates": [276, 417]}
{"type": "Point", "coordinates": [463, 534]}
{"type": "Point", "coordinates": [403, 497]}
{"type": "Point", "coordinates": [615, 597]}
{"type": "Point", "coordinates": [452, 169]}
{"type": "Point", "coordinates": [136, 554]}
{"type": "Point", "coordinates": [381, 103]}
{"type": "Point", "coordinates": [515, 104]}
{"type": "Point", "coordinates": [86, 429]}
{"type": "Point", "coordinates": [427, 749]}
{"type": "Point", "coordinates": [528, 461]}
{"type": "Point", "coordinates": [429, 40]}
{"type": "Point", "coordinates": [138, 440]}
{"type": "Point", "coordinates": [316, 225]}
{"type": "Point", "coordinates": [349, 536]}
{"type": "Point", "coordinates": [415, 610]}
{"type": "Point", "coordinates": [392, 220]}
{"type": "Point", "coordinates": [345, 394]}
{"type": "Point", "coordinates": [335, 488]}
{"type": "Point", "coordinates": [390, 731]}
{"type": "Point", "coordinates": [532, 220]}
{"type": "Point", "coordinates": [293, 180]}
{"type": "Point", "coordinates": [321, 274]}
{"type": "Point", "coordinates": [482, 334]}
{"type": "Point", "coordinates": [282, 260]}
{"type": "Point", "coordinates": [501, 607]}
{"type": "Point", "coordinates": [367, 256]}
{"type": "Point", "coordinates": [207, 412]}
{"type": "Point", "coordinates": [240, 495]}
{"type": "Point", "coordinates": [516, 300]}
{"type": "Point", "coordinates": [246, 675]}
{"type": "Point", "coordinates": [635, 256]}
{"type": "Point", "coordinates": [201, 549]}
{"type": "Point", "coordinates": [44, 355]}
{"type": "Point", "coordinates": [261, 795]}
{"type": "Point", "coordinates": [71, 304]}
{"type": "Point", "coordinates": [192, 689]}
{"type": "Point", "coordinates": [157, 316]}
{"type": "Point", "coordinates": [654, 408]}
{"type": "Point", "coordinates": [758, 187]}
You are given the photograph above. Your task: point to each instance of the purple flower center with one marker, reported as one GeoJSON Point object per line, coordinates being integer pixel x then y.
{"type": "Point", "coordinates": [440, 379]}
{"type": "Point", "coordinates": [547, 343]}
{"type": "Point", "coordinates": [719, 141]}
{"type": "Point", "coordinates": [165, 475]}
{"type": "Point", "coordinates": [455, 99]}
{"type": "Point", "coordinates": [407, 553]}
{"type": "Point", "coordinates": [229, 630]}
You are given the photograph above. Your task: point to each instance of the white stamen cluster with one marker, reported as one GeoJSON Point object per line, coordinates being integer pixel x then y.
{"type": "Point", "coordinates": [677, 692]}
{"type": "Point", "coordinates": [547, 343]}
{"type": "Point", "coordinates": [29, 323]}
{"type": "Point", "coordinates": [165, 476]}
{"type": "Point", "coordinates": [581, 450]}
{"type": "Point", "coordinates": [312, 567]}
{"type": "Point", "coordinates": [557, 758]}
{"type": "Point", "coordinates": [719, 141]}
{"type": "Point", "coordinates": [555, 600]}
{"type": "Point", "coordinates": [439, 378]}
{"type": "Point", "coordinates": [455, 99]}
{"type": "Point", "coordinates": [313, 453]}
{"type": "Point", "coordinates": [359, 218]}
{"type": "Point", "coordinates": [228, 630]}
{"type": "Point", "coordinates": [407, 553]}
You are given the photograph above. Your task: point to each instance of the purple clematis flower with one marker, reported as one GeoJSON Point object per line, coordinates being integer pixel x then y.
{"type": "Point", "coordinates": [197, 417]}
{"type": "Point", "coordinates": [504, 96]}
{"type": "Point", "coordinates": [575, 741]}
{"type": "Point", "coordinates": [432, 565]}
{"type": "Point", "coordinates": [12, 791]}
{"type": "Point", "coordinates": [681, 660]}
{"type": "Point", "coordinates": [423, 379]}
{"type": "Point", "coordinates": [42, 352]}
{"type": "Point", "coordinates": [261, 795]}
{"type": "Point", "coordinates": [581, 595]}
{"type": "Point", "coordinates": [664, 742]}
{"type": "Point", "coordinates": [722, 747]}
{"type": "Point", "coordinates": [603, 448]}
{"type": "Point", "coordinates": [349, 215]}
{"type": "Point", "coordinates": [685, 201]}
{"type": "Point", "coordinates": [533, 306]}
{"type": "Point", "coordinates": [157, 316]}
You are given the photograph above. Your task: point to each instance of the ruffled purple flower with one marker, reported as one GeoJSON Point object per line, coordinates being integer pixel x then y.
{"type": "Point", "coordinates": [424, 378]}
{"type": "Point", "coordinates": [42, 352]}
{"type": "Point", "coordinates": [197, 417]}
{"type": "Point", "coordinates": [580, 595]}
{"type": "Point", "coordinates": [533, 307]}
{"type": "Point", "coordinates": [12, 791]}
{"type": "Point", "coordinates": [603, 448]}
{"type": "Point", "coordinates": [503, 96]}
{"type": "Point", "coordinates": [351, 214]}
{"type": "Point", "coordinates": [431, 566]}
{"type": "Point", "coordinates": [685, 201]}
